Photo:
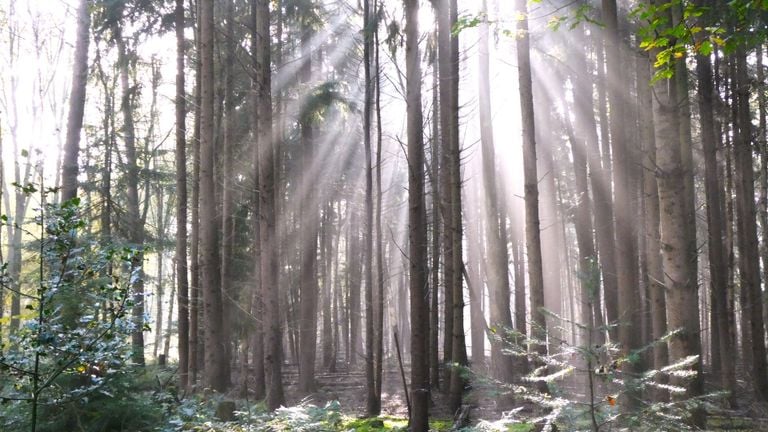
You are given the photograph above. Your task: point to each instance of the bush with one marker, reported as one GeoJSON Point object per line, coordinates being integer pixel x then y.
{"type": "Point", "coordinates": [66, 368]}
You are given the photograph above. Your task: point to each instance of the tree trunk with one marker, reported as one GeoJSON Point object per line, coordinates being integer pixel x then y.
{"type": "Point", "coordinates": [227, 184]}
{"type": "Point", "coordinates": [496, 246]}
{"type": "Point", "coordinates": [309, 212]}
{"type": "Point", "coordinates": [532, 229]}
{"type": "Point", "coordinates": [679, 280]}
{"type": "Point", "coordinates": [722, 344]}
{"type": "Point", "coordinates": [76, 103]}
{"type": "Point", "coordinates": [419, 421]}
{"type": "Point", "coordinates": [182, 282]}
{"type": "Point", "coordinates": [749, 268]}
{"type": "Point", "coordinates": [267, 200]}
{"type": "Point", "coordinates": [209, 245]}
{"type": "Point", "coordinates": [373, 407]}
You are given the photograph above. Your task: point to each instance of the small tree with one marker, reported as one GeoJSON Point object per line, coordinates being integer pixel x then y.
{"type": "Point", "coordinates": [74, 339]}
{"type": "Point", "coordinates": [586, 386]}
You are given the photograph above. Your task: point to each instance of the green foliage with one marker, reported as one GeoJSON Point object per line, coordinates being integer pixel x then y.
{"type": "Point", "coordinates": [70, 355]}
{"type": "Point", "coordinates": [678, 28]}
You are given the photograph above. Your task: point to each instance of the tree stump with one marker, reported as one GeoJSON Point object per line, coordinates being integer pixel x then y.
{"type": "Point", "coordinates": [225, 410]}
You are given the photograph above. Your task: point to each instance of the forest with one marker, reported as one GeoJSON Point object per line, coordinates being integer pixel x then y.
{"type": "Point", "coordinates": [362, 215]}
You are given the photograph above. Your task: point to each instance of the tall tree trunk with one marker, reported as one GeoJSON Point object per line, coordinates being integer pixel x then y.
{"type": "Point", "coordinates": [133, 215]}
{"type": "Point", "coordinates": [215, 360]}
{"type": "Point", "coordinates": [227, 185]}
{"type": "Point", "coordinates": [448, 64]}
{"type": "Point", "coordinates": [497, 267]}
{"type": "Point", "coordinates": [267, 145]}
{"type": "Point", "coordinates": [653, 259]}
{"type": "Point", "coordinates": [76, 103]}
{"type": "Point", "coordinates": [679, 280]}
{"type": "Point", "coordinates": [435, 184]}
{"type": "Point", "coordinates": [532, 229]}
{"type": "Point", "coordinates": [257, 303]}
{"type": "Point", "coordinates": [419, 421]}
{"type": "Point", "coordinates": [373, 406]}
{"type": "Point", "coordinates": [379, 298]}
{"type": "Point", "coordinates": [309, 232]}
{"type": "Point", "coordinates": [749, 268]}
{"type": "Point", "coordinates": [622, 180]}
{"type": "Point", "coordinates": [182, 282]}
{"type": "Point", "coordinates": [722, 344]}
{"type": "Point", "coordinates": [158, 329]}
{"type": "Point", "coordinates": [195, 363]}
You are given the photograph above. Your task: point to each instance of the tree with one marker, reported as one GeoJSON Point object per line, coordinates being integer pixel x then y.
{"type": "Point", "coordinates": [181, 200]}
{"type": "Point", "coordinates": [715, 224]}
{"type": "Point", "coordinates": [76, 103]}
{"type": "Point", "coordinates": [417, 241]}
{"type": "Point", "coordinates": [532, 228]}
{"type": "Point", "coordinates": [497, 268]}
{"type": "Point", "coordinates": [679, 280]}
{"type": "Point", "coordinates": [373, 406]}
{"type": "Point", "coordinates": [270, 286]}
{"type": "Point", "coordinates": [215, 360]}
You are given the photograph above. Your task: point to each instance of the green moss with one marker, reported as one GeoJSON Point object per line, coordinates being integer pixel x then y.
{"type": "Point", "coordinates": [389, 423]}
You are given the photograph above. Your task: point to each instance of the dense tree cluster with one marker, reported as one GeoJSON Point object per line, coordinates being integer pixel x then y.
{"type": "Point", "coordinates": [350, 180]}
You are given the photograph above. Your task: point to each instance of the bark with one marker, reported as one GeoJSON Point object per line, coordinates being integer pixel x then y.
{"type": "Point", "coordinates": [135, 231]}
{"type": "Point", "coordinates": [227, 175]}
{"type": "Point", "coordinates": [309, 213]}
{"type": "Point", "coordinates": [76, 103]}
{"type": "Point", "coordinates": [679, 280]}
{"type": "Point", "coordinates": [749, 268]}
{"type": "Point", "coordinates": [419, 421]}
{"type": "Point", "coordinates": [267, 145]}
{"type": "Point", "coordinates": [448, 66]}
{"type": "Point", "coordinates": [721, 342]}
{"type": "Point", "coordinates": [601, 164]}
{"type": "Point", "coordinates": [215, 360]}
{"type": "Point", "coordinates": [496, 245]}
{"type": "Point", "coordinates": [257, 302]}
{"type": "Point", "coordinates": [623, 188]}
{"type": "Point", "coordinates": [373, 403]}
{"type": "Point", "coordinates": [195, 351]}
{"type": "Point", "coordinates": [586, 169]}
{"type": "Point", "coordinates": [655, 290]}
{"type": "Point", "coordinates": [532, 226]}
{"type": "Point", "coordinates": [435, 179]}
{"type": "Point", "coordinates": [180, 263]}
{"type": "Point", "coordinates": [380, 291]}
{"type": "Point", "coordinates": [158, 329]}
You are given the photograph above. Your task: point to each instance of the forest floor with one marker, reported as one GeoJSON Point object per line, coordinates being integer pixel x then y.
{"type": "Point", "coordinates": [348, 388]}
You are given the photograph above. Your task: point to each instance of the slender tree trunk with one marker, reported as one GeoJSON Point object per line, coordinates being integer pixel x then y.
{"type": "Point", "coordinates": [532, 229]}
{"type": "Point", "coordinates": [373, 407]}
{"type": "Point", "coordinates": [497, 267]}
{"type": "Point", "coordinates": [158, 329]}
{"type": "Point", "coordinates": [309, 228]}
{"type": "Point", "coordinates": [622, 181]}
{"type": "Point", "coordinates": [76, 103]}
{"type": "Point", "coordinates": [182, 282]}
{"type": "Point", "coordinates": [267, 145]}
{"type": "Point", "coordinates": [749, 268]}
{"type": "Point", "coordinates": [380, 291]}
{"type": "Point", "coordinates": [435, 181]}
{"type": "Point", "coordinates": [257, 301]}
{"type": "Point", "coordinates": [195, 351]}
{"type": "Point", "coordinates": [133, 214]}
{"type": "Point", "coordinates": [419, 421]}
{"type": "Point", "coordinates": [227, 185]}
{"type": "Point", "coordinates": [215, 359]}
{"type": "Point", "coordinates": [722, 344]}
